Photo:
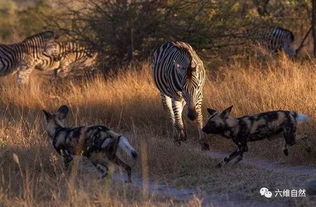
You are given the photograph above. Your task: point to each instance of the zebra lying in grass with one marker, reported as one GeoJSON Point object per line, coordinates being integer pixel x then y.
{"type": "Point", "coordinates": [23, 57]}
{"type": "Point", "coordinates": [70, 56]}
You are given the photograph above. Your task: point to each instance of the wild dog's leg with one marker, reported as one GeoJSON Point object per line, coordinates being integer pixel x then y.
{"type": "Point", "coordinates": [120, 163]}
{"type": "Point", "coordinates": [244, 148]}
{"type": "Point", "coordinates": [177, 107]}
{"type": "Point", "coordinates": [285, 150]}
{"type": "Point", "coordinates": [67, 158]}
{"type": "Point", "coordinates": [229, 158]}
{"type": "Point", "coordinates": [98, 163]}
{"type": "Point", "coordinates": [289, 133]}
{"type": "Point", "coordinates": [102, 168]}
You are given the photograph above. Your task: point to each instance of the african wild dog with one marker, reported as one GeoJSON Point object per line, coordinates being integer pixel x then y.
{"type": "Point", "coordinates": [87, 141]}
{"type": "Point", "coordinates": [253, 128]}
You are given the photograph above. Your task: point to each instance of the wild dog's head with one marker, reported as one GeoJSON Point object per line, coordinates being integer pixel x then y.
{"type": "Point", "coordinates": [219, 121]}
{"type": "Point", "coordinates": [55, 120]}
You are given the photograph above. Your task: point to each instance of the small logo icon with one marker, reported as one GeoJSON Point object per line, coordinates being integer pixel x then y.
{"type": "Point", "coordinates": [265, 192]}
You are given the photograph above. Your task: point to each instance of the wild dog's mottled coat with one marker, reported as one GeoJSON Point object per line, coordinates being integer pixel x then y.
{"type": "Point", "coordinates": [253, 128]}
{"type": "Point", "coordinates": [86, 141]}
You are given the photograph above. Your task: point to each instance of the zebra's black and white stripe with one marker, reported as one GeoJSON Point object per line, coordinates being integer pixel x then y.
{"type": "Point", "coordinates": [179, 75]}
{"type": "Point", "coordinates": [71, 56]}
{"type": "Point", "coordinates": [23, 57]}
{"type": "Point", "coordinates": [276, 39]}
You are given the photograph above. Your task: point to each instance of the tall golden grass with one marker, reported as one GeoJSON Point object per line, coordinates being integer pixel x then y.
{"type": "Point", "coordinates": [31, 172]}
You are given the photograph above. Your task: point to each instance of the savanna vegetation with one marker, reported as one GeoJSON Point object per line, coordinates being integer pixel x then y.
{"type": "Point", "coordinates": [121, 95]}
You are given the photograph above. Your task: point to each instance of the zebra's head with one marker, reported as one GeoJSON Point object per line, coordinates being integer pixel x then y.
{"type": "Point", "coordinates": [53, 49]}
{"type": "Point", "coordinates": [193, 88]}
{"type": "Point", "coordinates": [288, 46]}
{"type": "Point", "coordinates": [289, 49]}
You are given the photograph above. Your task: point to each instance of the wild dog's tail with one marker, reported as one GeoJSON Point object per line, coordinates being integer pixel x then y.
{"type": "Point", "coordinates": [301, 118]}
{"type": "Point", "coordinates": [125, 145]}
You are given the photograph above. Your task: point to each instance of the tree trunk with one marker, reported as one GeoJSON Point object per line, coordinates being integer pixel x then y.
{"type": "Point", "coordinates": [314, 25]}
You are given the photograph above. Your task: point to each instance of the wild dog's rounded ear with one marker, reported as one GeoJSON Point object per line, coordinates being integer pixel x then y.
{"type": "Point", "coordinates": [211, 111]}
{"type": "Point", "coordinates": [47, 114]}
{"type": "Point", "coordinates": [227, 111]}
{"type": "Point", "coordinates": [62, 112]}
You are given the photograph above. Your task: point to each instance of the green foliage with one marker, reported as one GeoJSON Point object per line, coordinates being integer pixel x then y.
{"type": "Point", "coordinates": [17, 22]}
{"type": "Point", "coordinates": [7, 18]}
{"type": "Point", "coordinates": [31, 19]}
{"type": "Point", "coordinates": [128, 30]}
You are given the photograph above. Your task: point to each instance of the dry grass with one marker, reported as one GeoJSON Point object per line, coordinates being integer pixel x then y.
{"type": "Point", "coordinates": [130, 104]}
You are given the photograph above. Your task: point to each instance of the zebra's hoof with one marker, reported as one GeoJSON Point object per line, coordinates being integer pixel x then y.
{"type": "Point", "coordinates": [286, 152]}
{"type": "Point", "coordinates": [101, 177]}
{"type": "Point", "coordinates": [177, 142]}
{"type": "Point", "coordinates": [205, 147]}
{"type": "Point", "coordinates": [308, 149]}
{"type": "Point", "coordinates": [128, 181]}
{"type": "Point", "coordinates": [219, 165]}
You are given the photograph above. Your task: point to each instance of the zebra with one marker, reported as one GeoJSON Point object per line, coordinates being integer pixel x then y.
{"type": "Point", "coordinates": [25, 56]}
{"type": "Point", "coordinates": [275, 39]}
{"type": "Point", "coordinates": [179, 75]}
{"type": "Point", "coordinates": [70, 55]}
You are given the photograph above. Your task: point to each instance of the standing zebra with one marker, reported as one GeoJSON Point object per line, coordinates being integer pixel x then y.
{"type": "Point", "coordinates": [23, 57]}
{"type": "Point", "coordinates": [179, 75]}
{"type": "Point", "coordinates": [276, 39]}
{"type": "Point", "coordinates": [70, 55]}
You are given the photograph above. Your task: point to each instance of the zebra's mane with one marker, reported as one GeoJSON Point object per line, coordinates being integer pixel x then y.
{"type": "Point", "coordinates": [69, 47]}
{"type": "Point", "coordinates": [43, 35]}
{"type": "Point", "coordinates": [186, 48]}
{"type": "Point", "coordinates": [193, 57]}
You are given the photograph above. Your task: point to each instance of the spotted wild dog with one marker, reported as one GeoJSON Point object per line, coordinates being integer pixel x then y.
{"type": "Point", "coordinates": [87, 141]}
{"type": "Point", "coordinates": [253, 128]}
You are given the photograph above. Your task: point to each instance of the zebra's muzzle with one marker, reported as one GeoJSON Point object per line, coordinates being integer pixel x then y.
{"type": "Point", "coordinates": [192, 114]}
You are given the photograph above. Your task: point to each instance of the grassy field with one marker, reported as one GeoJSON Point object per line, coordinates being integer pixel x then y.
{"type": "Point", "coordinates": [32, 173]}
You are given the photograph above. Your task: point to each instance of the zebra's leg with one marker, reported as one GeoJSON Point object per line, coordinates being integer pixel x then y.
{"type": "Point", "coordinates": [202, 137]}
{"type": "Point", "coordinates": [67, 158]}
{"type": "Point", "coordinates": [23, 76]}
{"type": "Point", "coordinates": [177, 107]}
{"type": "Point", "coordinates": [63, 70]}
{"type": "Point", "coordinates": [167, 105]}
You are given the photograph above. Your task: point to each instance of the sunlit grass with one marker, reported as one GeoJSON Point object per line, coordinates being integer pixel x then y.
{"type": "Point", "coordinates": [130, 103]}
